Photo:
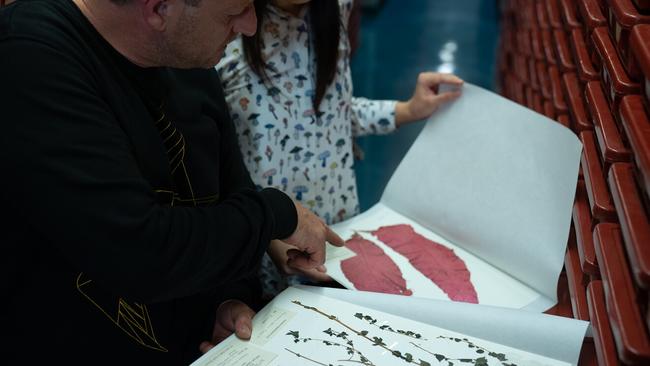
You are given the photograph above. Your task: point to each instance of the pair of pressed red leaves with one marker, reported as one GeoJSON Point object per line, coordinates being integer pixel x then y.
{"type": "Point", "coordinates": [373, 270]}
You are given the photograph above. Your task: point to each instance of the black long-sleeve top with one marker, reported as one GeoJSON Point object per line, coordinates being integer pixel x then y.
{"type": "Point", "coordinates": [112, 252]}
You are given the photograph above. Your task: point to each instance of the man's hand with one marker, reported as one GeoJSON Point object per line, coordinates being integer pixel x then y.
{"type": "Point", "coordinates": [232, 316]}
{"type": "Point", "coordinates": [278, 253]}
{"type": "Point", "coordinates": [426, 99]}
{"type": "Point", "coordinates": [310, 237]}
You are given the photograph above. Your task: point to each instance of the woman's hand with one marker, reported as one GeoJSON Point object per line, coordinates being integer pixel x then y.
{"type": "Point", "coordinates": [426, 99]}
{"type": "Point", "coordinates": [284, 256]}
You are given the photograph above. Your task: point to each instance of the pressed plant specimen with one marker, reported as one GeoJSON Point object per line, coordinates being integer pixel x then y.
{"type": "Point", "coordinates": [345, 342]}
{"type": "Point", "coordinates": [344, 339]}
{"type": "Point", "coordinates": [479, 361]}
{"type": "Point", "coordinates": [387, 327]}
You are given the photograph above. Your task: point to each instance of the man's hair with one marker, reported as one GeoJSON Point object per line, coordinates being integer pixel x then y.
{"type": "Point", "coordinates": [188, 2]}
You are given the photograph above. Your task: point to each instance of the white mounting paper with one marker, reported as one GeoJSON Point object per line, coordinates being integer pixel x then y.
{"type": "Point", "coordinates": [552, 336]}
{"type": "Point", "coordinates": [494, 181]}
{"type": "Point", "coordinates": [313, 336]}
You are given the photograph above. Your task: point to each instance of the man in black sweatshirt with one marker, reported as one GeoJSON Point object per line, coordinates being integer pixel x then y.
{"type": "Point", "coordinates": [132, 231]}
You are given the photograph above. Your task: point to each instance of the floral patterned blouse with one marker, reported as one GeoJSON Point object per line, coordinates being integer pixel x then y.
{"type": "Point", "coordinates": [284, 142]}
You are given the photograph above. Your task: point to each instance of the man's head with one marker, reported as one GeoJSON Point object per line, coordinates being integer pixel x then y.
{"type": "Point", "coordinates": [175, 33]}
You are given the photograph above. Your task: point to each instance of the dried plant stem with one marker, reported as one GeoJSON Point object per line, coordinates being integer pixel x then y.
{"type": "Point", "coordinates": [375, 341]}
{"type": "Point", "coordinates": [306, 358]}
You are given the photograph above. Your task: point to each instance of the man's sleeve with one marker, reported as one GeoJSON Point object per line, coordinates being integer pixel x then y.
{"type": "Point", "coordinates": [235, 174]}
{"type": "Point", "coordinates": [69, 174]}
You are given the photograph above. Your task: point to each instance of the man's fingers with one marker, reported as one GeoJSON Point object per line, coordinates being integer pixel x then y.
{"type": "Point", "coordinates": [301, 263]}
{"type": "Point", "coordinates": [234, 316]}
{"type": "Point", "coordinates": [244, 324]}
{"type": "Point", "coordinates": [306, 261]}
{"type": "Point", "coordinates": [242, 319]}
{"type": "Point", "coordinates": [333, 238]}
{"type": "Point", "coordinates": [301, 260]}
{"type": "Point", "coordinates": [205, 346]}
{"type": "Point", "coordinates": [317, 255]}
{"type": "Point", "coordinates": [293, 253]}
{"type": "Point", "coordinates": [318, 275]}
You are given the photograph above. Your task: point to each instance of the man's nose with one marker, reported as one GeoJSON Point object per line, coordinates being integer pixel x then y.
{"type": "Point", "coordinates": [246, 23]}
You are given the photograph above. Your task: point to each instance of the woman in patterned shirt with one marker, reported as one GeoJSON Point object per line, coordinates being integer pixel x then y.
{"type": "Point", "coordinates": [290, 95]}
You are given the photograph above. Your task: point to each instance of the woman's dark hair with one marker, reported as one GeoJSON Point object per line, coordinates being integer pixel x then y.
{"type": "Point", "coordinates": [325, 26]}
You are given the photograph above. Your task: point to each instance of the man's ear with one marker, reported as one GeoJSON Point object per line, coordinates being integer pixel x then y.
{"type": "Point", "coordinates": [156, 13]}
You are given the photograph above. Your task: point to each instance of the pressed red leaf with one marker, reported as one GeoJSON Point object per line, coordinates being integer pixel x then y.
{"type": "Point", "coordinates": [437, 262]}
{"type": "Point", "coordinates": [371, 269]}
